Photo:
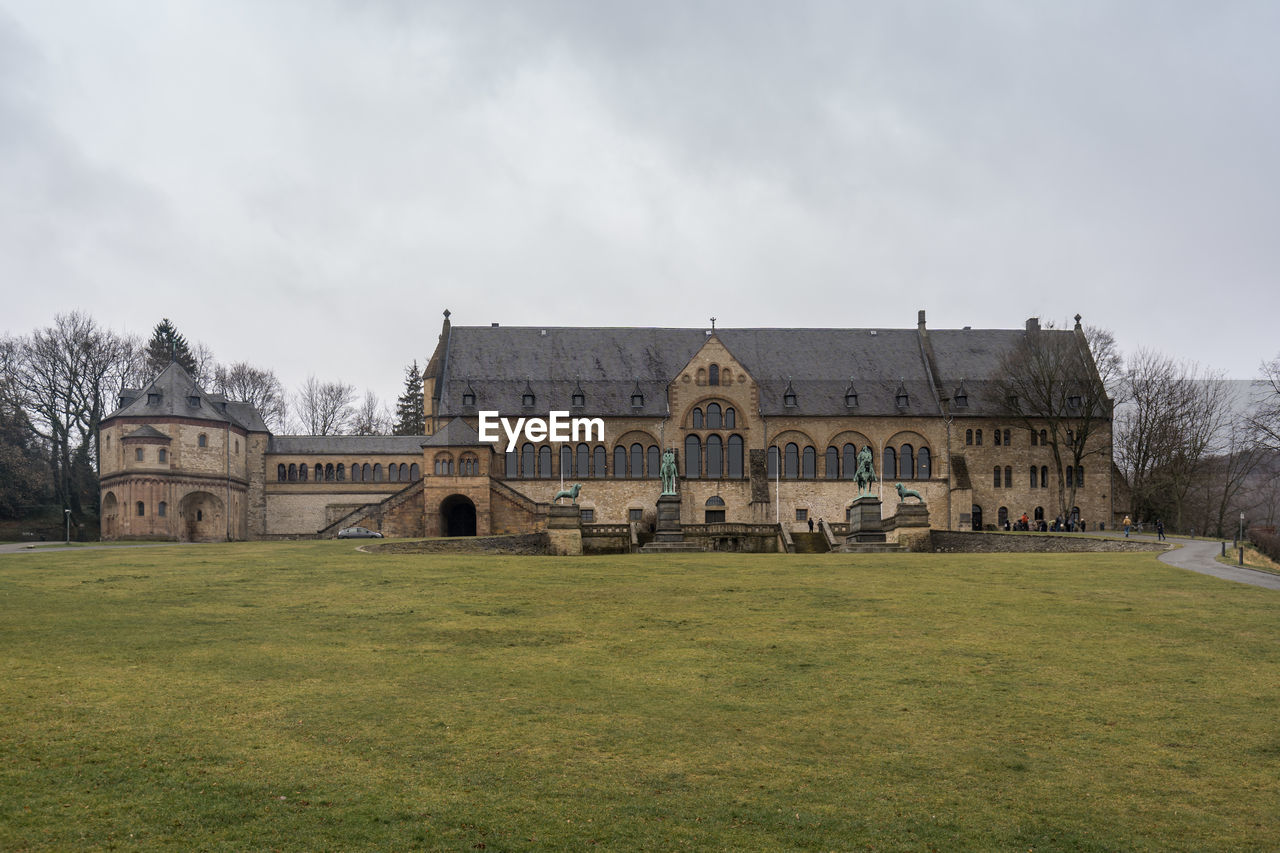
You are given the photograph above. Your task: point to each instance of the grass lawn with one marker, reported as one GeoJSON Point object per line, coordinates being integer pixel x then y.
{"type": "Point", "coordinates": [303, 696]}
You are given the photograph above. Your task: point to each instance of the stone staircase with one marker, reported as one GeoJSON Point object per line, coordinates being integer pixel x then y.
{"type": "Point", "coordinates": [810, 543]}
{"type": "Point", "coordinates": [371, 510]}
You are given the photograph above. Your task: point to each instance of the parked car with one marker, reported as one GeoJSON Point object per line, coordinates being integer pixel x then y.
{"type": "Point", "coordinates": [358, 533]}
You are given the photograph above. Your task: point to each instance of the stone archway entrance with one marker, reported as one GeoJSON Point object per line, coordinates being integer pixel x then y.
{"type": "Point", "coordinates": [201, 515]}
{"type": "Point", "coordinates": [110, 516]}
{"type": "Point", "coordinates": [457, 516]}
{"type": "Point", "coordinates": [976, 514]}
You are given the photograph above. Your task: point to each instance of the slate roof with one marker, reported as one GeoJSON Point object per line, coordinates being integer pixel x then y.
{"type": "Point", "coordinates": [498, 364]}
{"type": "Point", "coordinates": [457, 433]}
{"type": "Point", "coordinates": [175, 388]}
{"type": "Point", "coordinates": [339, 444]}
{"type": "Point", "coordinates": [147, 431]}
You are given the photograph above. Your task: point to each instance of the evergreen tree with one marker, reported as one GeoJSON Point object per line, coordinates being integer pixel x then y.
{"type": "Point", "coordinates": [410, 419]}
{"type": "Point", "coordinates": [168, 344]}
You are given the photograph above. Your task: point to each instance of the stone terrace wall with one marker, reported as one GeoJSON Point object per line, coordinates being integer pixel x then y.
{"type": "Point", "coordinates": [950, 541]}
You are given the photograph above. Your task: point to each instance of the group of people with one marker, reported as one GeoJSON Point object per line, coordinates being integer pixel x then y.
{"type": "Point", "coordinates": [1129, 525]}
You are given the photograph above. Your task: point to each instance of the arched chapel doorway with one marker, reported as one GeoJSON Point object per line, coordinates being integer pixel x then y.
{"type": "Point", "coordinates": [202, 519]}
{"type": "Point", "coordinates": [457, 516]}
{"type": "Point", "coordinates": [110, 516]}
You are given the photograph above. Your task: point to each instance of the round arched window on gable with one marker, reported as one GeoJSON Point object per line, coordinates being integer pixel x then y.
{"type": "Point", "coordinates": [202, 440]}
{"type": "Point", "coordinates": [714, 510]}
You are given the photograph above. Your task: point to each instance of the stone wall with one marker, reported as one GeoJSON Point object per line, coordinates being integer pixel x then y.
{"type": "Point", "coordinates": [951, 541]}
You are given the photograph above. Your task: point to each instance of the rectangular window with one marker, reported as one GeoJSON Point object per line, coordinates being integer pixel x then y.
{"type": "Point", "coordinates": [589, 516]}
{"type": "Point", "coordinates": [139, 454]}
{"type": "Point", "coordinates": [635, 514]}
{"type": "Point", "coordinates": [802, 515]}
{"type": "Point", "coordinates": [162, 455]}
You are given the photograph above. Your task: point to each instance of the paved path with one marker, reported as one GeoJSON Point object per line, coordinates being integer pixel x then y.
{"type": "Point", "coordinates": [59, 548]}
{"type": "Point", "coordinates": [1199, 555]}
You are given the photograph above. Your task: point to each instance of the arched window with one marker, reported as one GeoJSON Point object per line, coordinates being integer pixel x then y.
{"type": "Point", "coordinates": [771, 465]}
{"type": "Point", "coordinates": [393, 472]}
{"type": "Point", "coordinates": [791, 461]}
{"type": "Point", "coordinates": [890, 462]}
{"type": "Point", "coordinates": [701, 377]}
{"type": "Point", "coordinates": [654, 461]}
{"type": "Point", "coordinates": [366, 473]}
{"type": "Point", "coordinates": [141, 508]}
{"type": "Point", "coordinates": [730, 418]}
{"type": "Point", "coordinates": [566, 461]}
{"type": "Point", "coordinates": [377, 472]}
{"type": "Point", "coordinates": [637, 460]}
{"type": "Point", "coordinates": [1080, 477]}
{"type": "Point", "coordinates": [340, 472]}
{"type": "Point", "coordinates": [443, 464]}
{"type": "Point", "coordinates": [714, 510]}
{"type": "Point", "coordinates": [319, 472]}
{"type": "Point", "coordinates": [735, 466]}
{"type": "Point", "coordinates": [1035, 438]}
{"type": "Point", "coordinates": [809, 464]}
{"type": "Point", "coordinates": [996, 475]}
{"type": "Point", "coordinates": [404, 472]}
{"type": "Point", "coordinates": [203, 440]}
{"type": "Point", "coordinates": [528, 462]}
{"type": "Point", "coordinates": [1034, 473]}
{"type": "Point", "coordinates": [1003, 517]}
{"type": "Point", "coordinates": [923, 464]}
{"type": "Point", "coordinates": [968, 436]}
{"type": "Point", "coordinates": [907, 463]}
{"type": "Point", "coordinates": [544, 462]}
{"type": "Point", "coordinates": [713, 375]}
{"type": "Point", "coordinates": [1044, 476]}
{"type": "Point", "coordinates": [1039, 510]}
{"type": "Point", "coordinates": [977, 437]}
{"type": "Point", "coordinates": [511, 466]}
{"type": "Point", "coordinates": [975, 513]}
{"type": "Point", "coordinates": [162, 509]}
{"type": "Point", "coordinates": [415, 473]}
{"type": "Point", "coordinates": [849, 467]}
{"type": "Point", "coordinates": [692, 457]}
{"type": "Point", "coordinates": [995, 437]}
{"type": "Point", "coordinates": [832, 464]}
{"type": "Point", "coordinates": [1044, 438]}
{"type": "Point", "coordinates": [356, 476]}
{"type": "Point", "coordinates": [619, 461]}
{"type": "Point", "coordinates": [328, 472]}
{"type": "Point", "coordinates": [302, 472]}
{"type": "Point", "coordinates": [466, 466]}
{"type": "Point", "coordinates": [598, 459]}
{"type": "Point", "coordinates": [583, 462]}
{"type": "Point", "coordinates": [282, 473]}
{"type": "Point", "coordinates": [715, 456]}
{"type": "Point", "coordinates": [697, 418]}
{"type": "Point", "coordinates": [1008, 476]}
{"type": "Point", "coordinates": [1007, 442]}
{"type": "Point", "coordinates": [713, 415]}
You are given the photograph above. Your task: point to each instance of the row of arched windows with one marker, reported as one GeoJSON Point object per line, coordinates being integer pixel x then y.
{"type": "Point", "coordinates": [1005, 437]}
{"type": "Point", "coordinates": [713, 375]}
{"type": "Point", "coordinates": [359, 472]}
{"type": "Point", "coordinates": [468, 465]}
{"type": "Point", "coordinates": [904, 462]}
{"type": "Point", "coordinates": [714, 418]}
{"type": "Point", "coordinates": [1039, 476]}
{"type": "Point", "coordinates": [716, 458]}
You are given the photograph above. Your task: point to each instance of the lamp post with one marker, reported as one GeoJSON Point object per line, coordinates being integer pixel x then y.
{"type": "Point", "coordinates": [1242, 538]}
{"type": "Point", "coordinates": [67, 514]}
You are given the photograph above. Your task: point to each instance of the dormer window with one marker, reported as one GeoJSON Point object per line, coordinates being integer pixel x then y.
{"type": "Point", "coordinates": [579, 398]}
{"type": "Point", "coordinates": [900, 397]}
{"type": "Point", "coordinates": [153, 399]}
{"type": "Point", "coordinates": [961, 397]}
{"type": "Point", "coordinates": [193, 401]}
{"type": "Point", "coordinates": [468, 399]}
{"type": "Point", "coordinates": [637, 397]}
{"type": "Point", "coordinates": [1012, 402]}
{"type": "Point", "coordinates": [528, 399]}
{"type": "Point", "coordinates": [1074, 402]}
{"type": "Point", "coordinates": [789, 396]}
{"type": "Point", "coordinates": [850, 397]}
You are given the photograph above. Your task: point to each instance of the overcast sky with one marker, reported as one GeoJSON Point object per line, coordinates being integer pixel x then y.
{"type": "Point", "coordinates": [308, 185]}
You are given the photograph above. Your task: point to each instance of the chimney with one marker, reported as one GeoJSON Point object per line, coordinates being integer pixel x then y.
{"type": "Point", "coordinates": [1033, 324]}
{"type": "Point", "coordinates": [920, 320]}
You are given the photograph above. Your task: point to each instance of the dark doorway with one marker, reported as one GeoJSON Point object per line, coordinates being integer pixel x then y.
{"type": "Point", "coordinates": [458, 516]}
{"type": "Point", "coordinates": [976, 513]}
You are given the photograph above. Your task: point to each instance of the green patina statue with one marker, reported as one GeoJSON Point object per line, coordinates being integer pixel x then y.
{"type": "Point", "coordinates": [668, 472]}
{"type": "Point", "coordinates": [571, 493]}
{"type": "Point", "coordinates": [866, 475]}
{"type": "Point", "coordinates": [904, 493]}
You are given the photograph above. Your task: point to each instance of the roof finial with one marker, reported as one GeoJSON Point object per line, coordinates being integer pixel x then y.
{"type": "Point", "coordinates": [446, 313]}
{"type": "Point", "coordinates": [713, 324]}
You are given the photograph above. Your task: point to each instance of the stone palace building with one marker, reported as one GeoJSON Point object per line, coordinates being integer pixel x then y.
{"type": "Point", "coordinates": [766, 425]}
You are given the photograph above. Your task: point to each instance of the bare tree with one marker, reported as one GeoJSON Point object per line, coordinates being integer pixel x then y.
{"type": "Point", "coordinates": [259, 386]}
{"type": "Point", "coordinates": [1265, 418]}
{"type": "Point", "coordinates": [324, 408]}
{"type": "Point", "coordinates": [1108, 360]}
{"type": "Point", "coordinates": [1049, 382]}
{"type": "Point", "coordinates": [372, 417]}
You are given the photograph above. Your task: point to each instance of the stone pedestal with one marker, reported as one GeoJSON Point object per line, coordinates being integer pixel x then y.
{"type": "Point", "coordinates": [564, 530]}
{"type": "Point", "coordinates": [911, 527]}
{"type": "Point", "coordinates": [865, 524]}
{"type": "Point", "coordinates": [668, 534]}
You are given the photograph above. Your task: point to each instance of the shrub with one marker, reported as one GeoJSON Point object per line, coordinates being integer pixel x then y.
{"type": "Point", "coordinates": [1267, 541]}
